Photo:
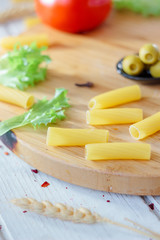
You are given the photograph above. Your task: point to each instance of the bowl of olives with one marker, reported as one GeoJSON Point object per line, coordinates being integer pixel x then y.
{"type": "Point", "coordinates": [143, 67]}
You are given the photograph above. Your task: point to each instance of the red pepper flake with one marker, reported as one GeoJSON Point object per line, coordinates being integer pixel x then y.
{"type": "Point", "coordinates": [108, 201]}
{"type": "Point", "coordinates": [45, 184]}
{"type": "Point", "coordinates": [0, 227]}
{"type": "Point", "coordinates": [151, 206]}
{"type": "Point", "coordinates": [66, 187]}
{"type": "Point", "coordinates": [6, 153]}
{"type": "Point", "coordinates": [34, 170]}
{"type": "Point", "coordinates": [103, 195]}
{"type": "Point", "coordinates": [24, 211]}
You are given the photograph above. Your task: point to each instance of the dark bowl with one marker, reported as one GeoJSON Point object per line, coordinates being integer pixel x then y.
{"type": "Point", "coordinates": [145, 77]}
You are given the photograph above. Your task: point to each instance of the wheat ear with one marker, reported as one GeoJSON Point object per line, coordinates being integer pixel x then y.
{"type": "Point", "coordinates": [16, 12]}
{"type": "Point", "coordinates": [67, 213]}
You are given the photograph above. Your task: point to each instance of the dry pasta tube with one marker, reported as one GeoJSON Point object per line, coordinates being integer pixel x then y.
{"type": "Point", "coordinates": [16, 97]}
{"type": "Point", "coordinates": [146, 127]}
{"type": "Point", "coordinates": [114, 116]}
{"type": "Point", "coordinates": [113, 151]}
{"type": "Point", "coordinates": [116, 97]}
{"type": "Point", "coordinates": [31, 21]}
{"type": "Point", "coordinates": [40, 39]}
{"type": "Point", "coordinates": [75, 137]}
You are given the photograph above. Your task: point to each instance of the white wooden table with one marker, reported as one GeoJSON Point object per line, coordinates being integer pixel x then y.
{"type": "Point", "coordinates": [17, 181]}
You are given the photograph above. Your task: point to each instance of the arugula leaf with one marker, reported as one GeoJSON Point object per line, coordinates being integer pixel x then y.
{"type": "Point", "coordinates": [43, 112]}
{"type": "Point", "coordinates": [20, 68]}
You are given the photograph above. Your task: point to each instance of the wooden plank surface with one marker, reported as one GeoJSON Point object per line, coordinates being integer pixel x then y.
{"type": "Point", "coordinates": [79, 59]}
{"type": "Point", "coordinates": [17, 180]}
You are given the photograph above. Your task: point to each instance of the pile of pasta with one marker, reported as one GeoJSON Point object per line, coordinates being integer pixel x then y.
{"type": "Point", "coordinates": [103, 111]}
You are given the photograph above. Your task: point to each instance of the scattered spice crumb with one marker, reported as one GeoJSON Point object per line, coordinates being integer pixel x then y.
{"type": "Point", "coordinates": [103, 195]}
{"type": "Point", "coordinates": [108, 201]}
{"type": "Point", "coordinates": [151, 206]}
{"type": "Point", "coordinates": [66, 187]}
{"type": "Point", "coordinates": [45, 184]}
{"type": "Point", "coordinates": [87, 84]}
{"type": "Point", "coordinates": [6, 153]}
{"type": "Point", "coordinates": [0, 227]}
{"type": "Point", "coordinates": [34, 170]}
{"type": "Point", "coordinates": [24, 211]}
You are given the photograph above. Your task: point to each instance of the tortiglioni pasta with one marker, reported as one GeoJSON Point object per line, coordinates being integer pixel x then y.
{"type": "Point", "coordinates": [31, 21]}
{"type": "Point", "coordinates": [16, 97]}
{"type": "Point", "coordinates": [113, 151]}
{"type": "Point", "coordinates": [116, 97]}
{"type": "Point", "coordinates": [75, 137]}
{"type": "Point", "coordinates": [146, 127]}
{"type": "Point", "coordinates": [114, 116]}
{"type": "Point", "coordinates": [40, 39]}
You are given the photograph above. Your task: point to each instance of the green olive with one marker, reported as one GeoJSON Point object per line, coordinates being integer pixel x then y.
{"type": "Point", "coordinates": [159, 56]}
{"type": "Point", "coordinates": [149, 53]}
{"type": "Point", "coordinates": [155, 70]}
{"type": "Point", "coordinates": [132, 65]}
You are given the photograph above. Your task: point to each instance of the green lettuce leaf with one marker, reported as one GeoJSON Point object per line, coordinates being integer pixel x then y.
{"type": "Point", "coordinates": [145, 7]}
{"type": "Point", "coordinates": [21, 68]}
{"type": "Point", "coordinates": [43, 112]}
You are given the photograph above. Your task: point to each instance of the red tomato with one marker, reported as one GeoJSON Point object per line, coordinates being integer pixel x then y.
{"type": "Point", "coordinates": [73, 15]}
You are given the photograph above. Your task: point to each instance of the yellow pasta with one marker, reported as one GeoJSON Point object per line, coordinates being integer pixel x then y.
{"type": "Point", "coordinates": [113, 151]}
{"type": "Point", "coordinates": [116, 97]}
{"type": "Point", "coordinates": [16, 97]}
{"type": "Point", "coordinates": [114, 116]}
{"type": "Point", "coordinates": [75, 137]}
{"type": "Point", "coordinates": [40, 39]}
{"type": "Point", "coordinates": [31, 21]}
{"type": "Point", "coordinates": [146, 127]}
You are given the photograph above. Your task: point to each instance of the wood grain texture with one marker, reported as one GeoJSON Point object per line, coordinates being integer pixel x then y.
{"type": "Point", "coordinates": [79, 59]}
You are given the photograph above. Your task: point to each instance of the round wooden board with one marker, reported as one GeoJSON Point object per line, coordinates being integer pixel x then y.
{"type": "Point", "coordinates": [78, 59]}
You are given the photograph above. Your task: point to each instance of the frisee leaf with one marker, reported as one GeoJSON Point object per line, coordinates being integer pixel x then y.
{"type": "Point", "coordinates": [21, 68]}
{"type": "Point", "coordinates": [43, 112]}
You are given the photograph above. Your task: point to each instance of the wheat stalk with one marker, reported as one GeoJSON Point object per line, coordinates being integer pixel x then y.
{"type": "Point", "coordinates": [16, 12]}
{"type": "Point", "coordinates": [142, 227]}
{"type": "Point", "coordinates": [81, 215]}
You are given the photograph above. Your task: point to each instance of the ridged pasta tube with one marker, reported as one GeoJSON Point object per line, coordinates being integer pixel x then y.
{"type": "Point", "coordinates": [113, 151]}
{"type": "Point", "coordinates": [146, 127]}
{"type": "Point", "coordinates": [17, 97]}
{"type": "Point", "coordinates": [114, 116]}
{"type": "Point", "coordinates": [40, 39]}
{"type": "Point", "coordinates": [116, 97]}
{"type": "Point", "coordinates": [31, 21]}
{"type": "Point", "coordinates": [75, 137]}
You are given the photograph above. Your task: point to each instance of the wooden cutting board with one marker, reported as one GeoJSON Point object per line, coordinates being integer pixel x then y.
{"type": "Point", "coordinates": [92, 57]}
